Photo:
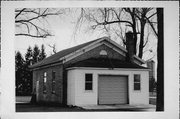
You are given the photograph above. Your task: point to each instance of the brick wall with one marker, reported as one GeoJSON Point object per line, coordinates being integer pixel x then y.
{"type": "Point", "coordinates": [49, 96]}
{"type": "Point", "coordinates": [95, 54]}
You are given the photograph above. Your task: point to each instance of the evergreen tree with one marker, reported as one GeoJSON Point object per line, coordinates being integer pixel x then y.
{"type": "Point", "coordinates": [28, 56]}
{"type": "Point", "coordinates": [35, 55]}
{"type": "Point", "coordinates": [19, 64]}
{"type": "Point", "coordinates": [42, 53]}
{"type": "Point", "coordinates": [27, 72]}
{"type": "Point", "coordinates": [24, 75]}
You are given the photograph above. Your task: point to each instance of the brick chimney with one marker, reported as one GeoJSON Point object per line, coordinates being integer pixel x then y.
{"type": "Point", "coordinates": [129, 46]}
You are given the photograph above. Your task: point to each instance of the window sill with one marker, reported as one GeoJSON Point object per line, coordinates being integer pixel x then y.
{"type": "Point", "coordinates": [137, 91]}
{"type": "Point", "coordinates": [88, 91]}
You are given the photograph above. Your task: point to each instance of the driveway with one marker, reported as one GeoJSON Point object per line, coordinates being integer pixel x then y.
{"type": "Point", "coordinates": [124, 107]}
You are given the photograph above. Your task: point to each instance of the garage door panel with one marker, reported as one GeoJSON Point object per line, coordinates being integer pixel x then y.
{"type": "Point", "coordinates": [112, 89]}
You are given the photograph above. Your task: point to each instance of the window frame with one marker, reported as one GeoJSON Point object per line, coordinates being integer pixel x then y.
{"type": "Point", "coordinates": [137, 82]}
{"type": "Point", "coordinates": [88, 82]}
{"type": "Point", "coordinates": [44, 82]}
{"type": "Point", "coordinates": [53, 81]}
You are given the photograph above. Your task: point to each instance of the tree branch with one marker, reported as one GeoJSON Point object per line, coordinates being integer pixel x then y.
{"type": "Point", "coordinates": [152, 15]}
{"type": "Point", "coordinates": [53, 47]}
{"type": "Point", "coordinates": [43, 15]}
{"type": "Point", "coordinates": [19, 12]}
{"type": "Point", "coordinates": [152, 27]}
{"type": "Point", "coordinates": [27, 16]}
{"type": "Point", "coordinates": [35, 36]}
{"type": "Point", "coordinates": [111, 22]}
{"type": "Point", "coordinates": [26, 26]}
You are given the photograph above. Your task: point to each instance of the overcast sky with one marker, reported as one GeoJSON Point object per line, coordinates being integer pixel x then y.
{"type": "Point", "coordinates": [63, 27]}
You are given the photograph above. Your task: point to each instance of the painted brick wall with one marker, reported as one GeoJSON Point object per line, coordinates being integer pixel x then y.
{"type": "Point", "coordinates": [95, 54]}
{"type": "Point", "coordinates": [49, 96]}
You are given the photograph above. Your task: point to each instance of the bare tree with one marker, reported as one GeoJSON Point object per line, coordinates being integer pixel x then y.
{"type": "Point", "coordinates": [53, 47]}
{"type": "Point", "coordinates": [134, 19]}
{"type": "Point", "coordinates": [32, 22]}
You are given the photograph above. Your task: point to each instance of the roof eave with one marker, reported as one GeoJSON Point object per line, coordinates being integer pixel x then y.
{"type": "Point", "coordinates": [45, 65]}
{"type": "Point", "coordinates": [97, 68]}
{"type": "Point", "coordinates": [139, 59]}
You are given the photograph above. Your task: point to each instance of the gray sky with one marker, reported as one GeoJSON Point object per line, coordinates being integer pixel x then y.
{"type": "Point", "coordinates": [63, 27]}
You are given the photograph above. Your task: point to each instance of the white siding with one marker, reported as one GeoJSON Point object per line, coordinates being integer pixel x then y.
{"type": "Point", "coordinates": [71, 88]}
{"type": "Point", "coordinates": [78, 96]}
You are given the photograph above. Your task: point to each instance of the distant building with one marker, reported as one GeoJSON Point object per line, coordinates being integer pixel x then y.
{"type": "Point", "coordinates": [151, 66]}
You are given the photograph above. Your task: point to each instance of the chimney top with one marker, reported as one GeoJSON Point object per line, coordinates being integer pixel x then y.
{"type": "Point", "coordinates": [130, 46]}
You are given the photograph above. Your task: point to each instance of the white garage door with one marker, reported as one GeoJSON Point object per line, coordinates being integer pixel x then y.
{"type": "Point", "coordinates": [113, 89]}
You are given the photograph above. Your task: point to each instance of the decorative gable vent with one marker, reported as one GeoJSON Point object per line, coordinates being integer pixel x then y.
{"type": "Point", "coordinates": [103, 53]}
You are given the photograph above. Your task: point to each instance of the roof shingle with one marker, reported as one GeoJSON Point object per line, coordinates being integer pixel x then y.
{"type": "Point", "coordinates": [56, 57]}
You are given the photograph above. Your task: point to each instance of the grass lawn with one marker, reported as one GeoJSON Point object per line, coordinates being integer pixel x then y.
{"type": "Point", "coordinates": [27, 107]}
{"type": "Point", "coordinates": [23, 105]}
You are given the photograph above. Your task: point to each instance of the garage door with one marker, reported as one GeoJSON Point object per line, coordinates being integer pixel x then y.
{"type": "Point", "coordinates": [113, 89]}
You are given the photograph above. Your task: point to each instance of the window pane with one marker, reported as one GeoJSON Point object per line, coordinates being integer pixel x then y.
{"type": "Point", "coordinates": [136, 86]}
{"type": "Point", "coordinates": [53, 81]}
{"type": "Point", "coordinates": [53, 75]}
{"type": "Point", "coordinates": [45, 79]}
{"type": "Point", "coordinates": [88, 77]}
{"type": "Point", "coordinates": [45, 74]}
{"type": "Point", "coordinates": [44, 82]}
{"type": "Point", "coordinates": [88, 86]}
{"type": "Point", "coordinates": [136, 78]}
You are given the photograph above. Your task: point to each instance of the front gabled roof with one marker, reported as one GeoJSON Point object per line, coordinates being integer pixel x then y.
{"type": "Point", "coordinates": [70, 52]}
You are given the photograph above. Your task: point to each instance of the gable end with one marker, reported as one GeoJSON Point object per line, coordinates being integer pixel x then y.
{"type": "Point", "coordinates": [92, 46]}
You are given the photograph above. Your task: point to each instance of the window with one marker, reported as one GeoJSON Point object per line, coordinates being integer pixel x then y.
{"type": "Point", "coordinates": [103, 53]}
{"type": "Point", "coordinates": [44, 82]}
{"type": "Point", "coordinates": [53, 81]}
{"type": "Point", "coordinates": [88, 81]}
{"type": "Point", "coordinates": [137, 82]}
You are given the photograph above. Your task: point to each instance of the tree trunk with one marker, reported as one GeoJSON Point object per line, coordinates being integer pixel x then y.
{"type": "Point", "coordinates": [141, 39]}
{"type": "Point", "coordinates": [160, 65]}
{"type": "Point", "coordinates": [134, 31]}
